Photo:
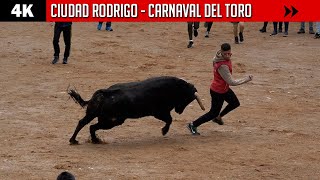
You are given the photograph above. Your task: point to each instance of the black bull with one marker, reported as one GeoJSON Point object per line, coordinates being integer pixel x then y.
{"type": "Point", "coordinates": [151, 97]}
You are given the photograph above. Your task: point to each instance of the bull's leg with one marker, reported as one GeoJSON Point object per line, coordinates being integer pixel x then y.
{"type": "Point", "coordinates": [93, 129]}
{"type": "Point", "coordinates": [84, 121]}
{"type": "Point", "coordinates": [167, 119]}
{"type": "Point", "coordinates": [103, 123]}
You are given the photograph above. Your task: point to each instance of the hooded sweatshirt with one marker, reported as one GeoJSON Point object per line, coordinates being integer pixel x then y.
{"type": "Point", "coordinates": [222, 75]}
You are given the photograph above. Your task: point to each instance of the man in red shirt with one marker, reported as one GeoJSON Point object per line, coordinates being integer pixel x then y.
{"type": "Point", "coordinates": [220, 90]}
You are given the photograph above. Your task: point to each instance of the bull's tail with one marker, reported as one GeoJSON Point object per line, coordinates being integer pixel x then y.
{"type": "Point", "coordinates": [77, 98]}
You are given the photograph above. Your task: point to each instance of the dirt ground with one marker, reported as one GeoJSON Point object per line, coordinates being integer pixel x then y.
{"type": "Point", "coordinates": [274, 134]}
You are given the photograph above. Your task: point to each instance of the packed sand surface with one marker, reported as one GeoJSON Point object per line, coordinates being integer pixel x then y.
{"type": "Point", "coordinates": [274, 134]}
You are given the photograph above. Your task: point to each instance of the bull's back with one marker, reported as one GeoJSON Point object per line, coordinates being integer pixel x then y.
{"type": "Point", "coordinates": [151, 95]}
{"type": "Point", "coordinates": [167, 80]}
{"type": "Point", "coordinates": [152, 87]}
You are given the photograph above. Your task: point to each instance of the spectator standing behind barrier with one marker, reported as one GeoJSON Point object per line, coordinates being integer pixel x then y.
{"type": "Point", "coordinates": [108, 26]}
{"type": "Point", "coordinates": [64, 27]}
{"type": "Point", "coordinates": [192, 31]}
{"type": "Point", "coordinates": [219, 90]}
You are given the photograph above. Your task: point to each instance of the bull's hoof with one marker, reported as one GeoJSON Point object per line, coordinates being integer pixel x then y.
{"type": "Point", "coordinates": [73, 142]}
{"type": "Point", "coordinates": [96, 141]}
{"type": "Point", "coordinates": [165, 131]}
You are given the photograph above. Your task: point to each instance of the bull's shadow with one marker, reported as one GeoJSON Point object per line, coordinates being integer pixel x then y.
{"type": "Point", "coordinates": [155, 97]}
{"type": "Point", "coordinates": [181, 139]}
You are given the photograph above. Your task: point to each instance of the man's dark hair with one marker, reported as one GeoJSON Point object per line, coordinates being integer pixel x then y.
{"type": "Point", "coordinates": [225, 47]}
{"type": "Point", "coordinates": [65, 176]}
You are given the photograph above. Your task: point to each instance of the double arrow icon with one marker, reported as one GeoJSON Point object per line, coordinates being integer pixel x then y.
{"type": "Point", "coordinates": [288, 11]}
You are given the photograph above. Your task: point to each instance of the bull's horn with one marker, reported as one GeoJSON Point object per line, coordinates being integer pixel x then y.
{"type": "Point", "coordinates": [199, 101]}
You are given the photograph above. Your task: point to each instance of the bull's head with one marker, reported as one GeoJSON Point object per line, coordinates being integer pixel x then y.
{"type": "Point", "coordinates": [186, 98]}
